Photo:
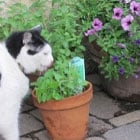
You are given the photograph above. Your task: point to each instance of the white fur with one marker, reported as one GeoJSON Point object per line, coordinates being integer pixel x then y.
{"type": "Point", "coordinates": [14, 86]}
{"type": "Point", "coordinates": [38, 62]}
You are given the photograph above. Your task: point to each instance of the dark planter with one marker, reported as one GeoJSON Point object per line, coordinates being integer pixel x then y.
{"type": "Point", "coordinates": [124, 88]}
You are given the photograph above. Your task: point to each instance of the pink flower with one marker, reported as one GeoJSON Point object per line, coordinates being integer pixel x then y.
{"type": "Point", "coordinates": [126, 22]}
{"type": "Point", "coordinates": [90, 32]}
{"type": "Point", "coordinates": [117, 13]}
{"type": "Point", "coordinates": [135, 7]}
{"type": "Point", "coordinates": [97, 24]}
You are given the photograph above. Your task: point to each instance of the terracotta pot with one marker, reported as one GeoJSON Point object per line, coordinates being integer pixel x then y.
{"type": "Point", "coordinates": [67, 119]}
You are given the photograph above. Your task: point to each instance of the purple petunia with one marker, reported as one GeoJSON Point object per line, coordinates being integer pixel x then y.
{"type": "Point", "coordinates": [90, 32]}
{"type": "Point", "coordinates": [126, 22]}
{"type": "Point", "coordinates": [135, 7]}
{"type": "Point", "coordinates": [115, 59]}
{"type": "Point", "coordinates": [117, 13]}
{"type": "Point", "coordinates": [121, 45]}
{"type": "Point", "coordinates": [132, 60]}
{"type": "Point", "coordinates": [97, 24]}
{"type": "Point", "coordinates": [137, 42]}
{"type": "Point", "coordinates": [121, 70]}
{"type": "Point", "coordinates": [136, 76]}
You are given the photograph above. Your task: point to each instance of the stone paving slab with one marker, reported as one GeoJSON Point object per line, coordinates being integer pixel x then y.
{"type": "Point", "coordinates": [94, 138]}
{"type": "Point", "coordinates": [102, 106]}
{"type": "Point", "coordinates": [29, 124]}
{"type": "Point", "coordinates": [125, 119]}
{"type": "Point", "coordinates": [36, 114]}
{"type": "Point", "coordinates": [42, 135]}
{"type": "Point", "coordinates": [96, 126]}
{"type": "Point", "coordinates": [25, 139]}
{"type": "Point", "coordinates": [126, 132]}
{"type": "Point", "coordinates": [25, 107]}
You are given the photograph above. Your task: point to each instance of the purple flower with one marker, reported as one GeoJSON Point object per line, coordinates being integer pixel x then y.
{"type": "Point", "coordinates": [138, 70]}
{"type": "Point", "coordinates": [137, 42]}
{"type": "Point", "coordinates": [97, 24]}
{"type": "Point", "coordinates": [130, 34]}
{"type": "Point", "coordinates": [117, 13]}
{"type": "Point", "coordinates": [121, 45]}
{"type": "Point", "coordinates": [115, 59]}
{"type": "Point", "coordinates": [132, 60]}
{"type": "Point", "coordinates": [121, 70]}
{"type": "Point", "coordinates": [135, 7]}
{"type": "Point", "coordinates": [90, 32]}
{"type": "Point", "coordinates": [136, 76]}
{"type": "Point", "coordinates": [126, 22]}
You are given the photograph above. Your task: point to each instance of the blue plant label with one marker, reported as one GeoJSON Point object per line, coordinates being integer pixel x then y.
{"type": "Point", "coordinates": [78, 63]}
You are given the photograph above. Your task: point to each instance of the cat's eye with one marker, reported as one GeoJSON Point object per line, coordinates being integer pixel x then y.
{"type": "Point", "coordinates": [31, 52]}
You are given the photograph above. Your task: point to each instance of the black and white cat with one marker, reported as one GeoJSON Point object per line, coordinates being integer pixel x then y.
{"type": "Point", "coordinates": [29, 50]}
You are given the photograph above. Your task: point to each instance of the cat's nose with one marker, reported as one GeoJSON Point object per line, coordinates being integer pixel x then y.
{"type": "Point", "coordinates": [51, 64]}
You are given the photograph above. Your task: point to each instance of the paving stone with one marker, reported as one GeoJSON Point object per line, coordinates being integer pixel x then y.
{"type": "Point", "coordinates": [126, 132]}
{"type": "Point", "coordinates": [42, 135]}
{"type": "Point", "coordinates": [96, 127]}
{"type": "Point", "coordinates": [22, 138]}
{"type": "Point", "coordinates": [25, 107]}
{"type": "Point", "coordinates": [29, 124]}
{"type": "Point", "coordinates": [103, 106]}
{"type": "Point", "coordinates": [25, 139]}
{"type": "Point", "coordinates": [125, 119]}
{"type": "Point", "coordinates": [36, 114]}
{"type": "Point", "coordinates": [94, 138]}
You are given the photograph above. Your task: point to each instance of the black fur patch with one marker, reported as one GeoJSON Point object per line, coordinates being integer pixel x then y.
{"type": "Point", "coordinates": [31, 52]}
{"type": "Point", "coordinates": [14, 42]}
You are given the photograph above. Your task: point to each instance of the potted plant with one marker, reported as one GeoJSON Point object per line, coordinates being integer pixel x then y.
{"type": "Point", "coordinates": [63, 100]}
{"type": "Point", "coordinates": [115, 29]}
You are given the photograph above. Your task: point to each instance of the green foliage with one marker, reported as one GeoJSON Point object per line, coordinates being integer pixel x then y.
{"type": "Point", "coordinates": [59, 82]}
{"type": "Point", "coordinates": [20, 17]}
{"type": "Point", "coordinates": [63, 30]}
{"type": "Point", "coordinates": [114, 39]}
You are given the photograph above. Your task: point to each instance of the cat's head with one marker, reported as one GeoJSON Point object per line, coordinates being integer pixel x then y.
{"type": "Point", "coordinates": [30, 50]}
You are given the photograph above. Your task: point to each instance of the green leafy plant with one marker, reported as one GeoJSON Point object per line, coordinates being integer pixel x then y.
{"type": "Point", "coordinates": [115, 28]}
{"type": "Point", "coordinates": [58, 83]}
{"type": "Point", "coordinates": [63, 30]}
{"type": "Point", "coordinates": [21, 17]}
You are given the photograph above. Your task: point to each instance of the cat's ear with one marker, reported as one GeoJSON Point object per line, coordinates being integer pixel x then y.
{"type": "Point", "coordinates": [27, 37]}
{"type": "Point", "coordinates": [37, 28]}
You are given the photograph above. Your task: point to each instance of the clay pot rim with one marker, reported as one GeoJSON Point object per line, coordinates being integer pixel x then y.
{"type": "Point", "coordinates": [66, 103]}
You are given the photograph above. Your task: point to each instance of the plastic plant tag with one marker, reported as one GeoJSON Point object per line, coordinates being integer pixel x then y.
{"type": "Point", "coordinates": [78, 63]}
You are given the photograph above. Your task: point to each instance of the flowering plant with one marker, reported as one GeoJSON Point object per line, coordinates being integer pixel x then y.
{"type": "Point", "coordinates": [117, 31]}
